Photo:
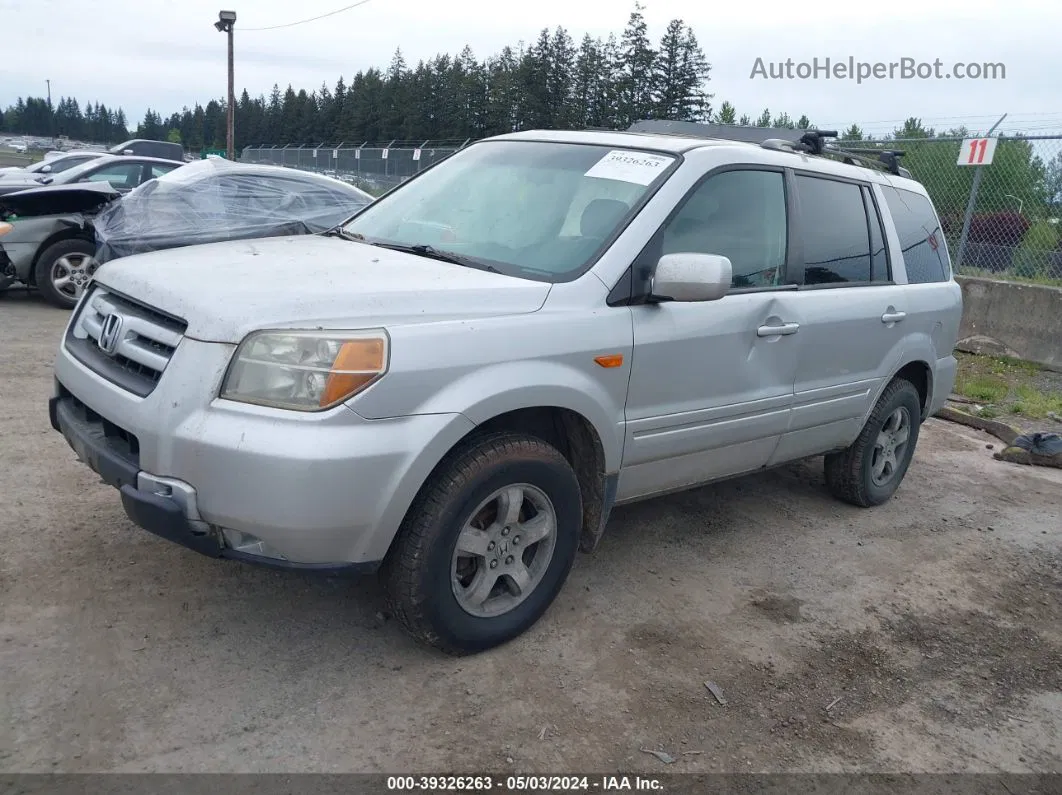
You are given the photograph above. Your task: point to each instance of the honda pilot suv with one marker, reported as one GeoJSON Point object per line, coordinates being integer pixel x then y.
{"type": "Point", "coordinates": [456, 386]}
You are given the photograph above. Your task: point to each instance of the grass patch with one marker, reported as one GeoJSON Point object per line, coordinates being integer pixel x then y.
{"type": "Point", "coordinates": [1031, 402]}
{"type": "Point", "coordinates": [985, 388]}
{"type": "Point", "coordinates": [1001, 385]}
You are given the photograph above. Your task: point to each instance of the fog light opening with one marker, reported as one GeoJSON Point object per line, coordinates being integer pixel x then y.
{"type": "Point", "coordinates": [249, 544]}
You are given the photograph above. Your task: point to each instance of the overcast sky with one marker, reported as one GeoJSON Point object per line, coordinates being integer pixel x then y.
{"type": "Point", "coordinates": [167, 54]}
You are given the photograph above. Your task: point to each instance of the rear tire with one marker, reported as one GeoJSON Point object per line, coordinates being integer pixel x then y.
{"type": "Point", "coordinates": [487, 545]}
{"type": "Point", "coordinates": [872, 468]}
{"type": "Point", "coordinates": [63, 271]}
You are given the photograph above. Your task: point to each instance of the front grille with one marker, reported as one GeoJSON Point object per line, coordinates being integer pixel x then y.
{"type": "Point", "coordinates": [125, 341]}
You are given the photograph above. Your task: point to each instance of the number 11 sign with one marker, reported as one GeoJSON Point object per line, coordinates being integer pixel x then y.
{"type": "Point", "coordinates": [977, 151]}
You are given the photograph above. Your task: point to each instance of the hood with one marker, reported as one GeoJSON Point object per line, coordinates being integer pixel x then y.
{"type": "Point", "coordinates": [82, 197]}
{"type": "Point", "coordinates": [226, 290]}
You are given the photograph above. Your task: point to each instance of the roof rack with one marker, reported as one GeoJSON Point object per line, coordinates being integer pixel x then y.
{"type": "Point", "coordinates": [811, 142]}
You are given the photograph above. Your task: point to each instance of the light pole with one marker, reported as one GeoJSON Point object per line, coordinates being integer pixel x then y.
{"type": "Point", "coordinates": [226, 22]}
{"type": "Point", "coordinates": [51, 113]}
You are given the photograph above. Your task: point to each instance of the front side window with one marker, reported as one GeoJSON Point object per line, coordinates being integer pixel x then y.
{"type": "Point", "coordinates": [536, 209]}
{"type": "Point", "coordinates": [836, 234]}
{"type": "Point", "coordinates": [740, 215]}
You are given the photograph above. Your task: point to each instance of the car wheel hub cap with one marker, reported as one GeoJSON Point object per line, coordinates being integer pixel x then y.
{"type": "Point", "coordinates": [890, 446]}
{"type": "Point", "coordinates": [503, 550]}
{"type": "Point", "coordinates": [71, 273]}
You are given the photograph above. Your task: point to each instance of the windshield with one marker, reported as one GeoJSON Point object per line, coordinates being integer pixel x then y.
{"type": "Point", "coordinates": [528, 208]}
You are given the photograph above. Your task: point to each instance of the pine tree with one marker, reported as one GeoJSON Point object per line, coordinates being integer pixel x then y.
{"type": "Point", "coordinates": [586, 83]}
{"type": "Point", "coordinates": [727, 114]}
{"type": "Point", "coordinates": [536, 111]}
{"type": "Point", "coordinates": [638, 59]}
{"type": "Point", "coordinates": [289, 118]}
{"type": "Point", "coordinates": [473, 89]}
{"type": "Point", "coordinates": [559, 82]}
{"type": "Point", "coordinates": [745, 121]}
{"type": "Point", "coordinates": [339, 99]}
{"type": "Point", "coordinates": [395, 98]}
{"type": "Point", "coordinates": [803, 123]}
{"type": "Point", "coordinates": [765, 119]}
{"type": "Point", "coordinates": [853, 133]}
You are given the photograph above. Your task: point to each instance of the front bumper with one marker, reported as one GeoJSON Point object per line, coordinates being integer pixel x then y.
{"type": "Point", "coordinates": [326, 492]}
{"type": "Point", "coordinates": [162, 506]}
{"type": "Point", "coordinates": [17, 258]}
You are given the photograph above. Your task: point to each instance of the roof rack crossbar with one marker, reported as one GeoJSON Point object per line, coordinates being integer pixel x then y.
{"type": "Point", "coordinates": [811, 142]}
{"type": "Point", "coordinates": [814, 141]}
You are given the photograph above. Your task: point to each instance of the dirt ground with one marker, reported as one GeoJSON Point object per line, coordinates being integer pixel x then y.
{"type": "Point", "coordinates": [925, 635]}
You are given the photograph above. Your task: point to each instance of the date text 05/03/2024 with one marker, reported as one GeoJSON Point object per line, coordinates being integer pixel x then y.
{"type": "Point", "coordinates": [523, 784]}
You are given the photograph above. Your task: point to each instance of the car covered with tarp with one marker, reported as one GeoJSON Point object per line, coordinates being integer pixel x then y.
{"type": "Point", "coordinates": [54, 237]}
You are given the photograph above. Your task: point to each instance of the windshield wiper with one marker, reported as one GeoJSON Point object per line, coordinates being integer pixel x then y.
{"type": "Point", "coordinates": [342, 233]}
{"type": "Point", "coordinates": [424, 250]}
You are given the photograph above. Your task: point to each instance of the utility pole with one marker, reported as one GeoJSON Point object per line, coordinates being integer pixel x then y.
{"type": "Point", "coordinates": [51, 113]}
{"type": "Point", "coordinates": [226, 22]}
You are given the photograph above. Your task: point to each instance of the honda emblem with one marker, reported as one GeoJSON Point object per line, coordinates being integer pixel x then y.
{"type": "Point", "coordinates": [110, 334]}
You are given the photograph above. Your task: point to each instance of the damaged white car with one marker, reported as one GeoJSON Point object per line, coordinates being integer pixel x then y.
{"type": "Point", "coordinates": [53, 238]}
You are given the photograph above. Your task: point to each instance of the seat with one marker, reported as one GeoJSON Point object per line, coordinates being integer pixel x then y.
{"type": "Point", "coordinates": [600, 217]}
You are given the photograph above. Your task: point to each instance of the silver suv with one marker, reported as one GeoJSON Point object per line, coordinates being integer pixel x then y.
{"type": "Point", "coordinates": [458, 385]}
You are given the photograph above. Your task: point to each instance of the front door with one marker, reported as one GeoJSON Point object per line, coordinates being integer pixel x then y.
{"type": "Point", "coordinates": [711, 386]}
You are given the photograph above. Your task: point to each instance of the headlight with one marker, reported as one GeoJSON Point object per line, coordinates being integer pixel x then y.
{"type": "Point", "coordinates": [305, 370]}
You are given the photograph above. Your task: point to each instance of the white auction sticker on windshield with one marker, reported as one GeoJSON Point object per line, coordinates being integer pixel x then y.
{"type": "Point", "coordinates": [637, 167]}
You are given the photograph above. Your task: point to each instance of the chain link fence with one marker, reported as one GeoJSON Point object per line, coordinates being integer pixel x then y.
{"type": "Point", "coordinates": [373, 167]}
{"type": "Point", "coordinates": [1003, 223]}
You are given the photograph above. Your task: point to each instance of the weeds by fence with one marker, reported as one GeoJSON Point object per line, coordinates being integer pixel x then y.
{"type": "Point", "coordinates": [1013, 223]}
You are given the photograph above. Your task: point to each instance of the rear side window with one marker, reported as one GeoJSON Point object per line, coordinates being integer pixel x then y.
{"type": "Point", "coordinates": [925, 253]}
{"type": "Point", "coordinates": [835, 231]}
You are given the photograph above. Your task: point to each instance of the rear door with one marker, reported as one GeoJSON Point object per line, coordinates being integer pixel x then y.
{"type": "Point", "coordinates": [851, 337]}
{"type": "Point", "coordinates": [933, 299]}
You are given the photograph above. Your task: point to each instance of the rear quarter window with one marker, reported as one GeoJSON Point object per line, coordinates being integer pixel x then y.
{"type": "Point", "coordinates": [925, 254]}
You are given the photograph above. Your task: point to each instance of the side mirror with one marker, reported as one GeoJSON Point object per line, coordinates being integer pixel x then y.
{"type": "Point", "coordinates": [46, 169]}
{"type": "Point", "coordinates": [688, 277]}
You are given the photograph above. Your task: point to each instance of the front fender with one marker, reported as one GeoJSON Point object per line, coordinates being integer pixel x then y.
{"type": "Point", "coordinates": [497, 389]}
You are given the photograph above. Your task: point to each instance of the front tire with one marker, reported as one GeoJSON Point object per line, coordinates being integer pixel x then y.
{"type": "Point", "coordinates": [872, 468]}
{"type": "Point", "coordinates": [63, 271]}
{"type": "Point", "coordinates": [487, 545]}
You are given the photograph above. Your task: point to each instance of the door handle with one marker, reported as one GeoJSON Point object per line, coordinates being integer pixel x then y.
{"type": "Point", "coordinates": [782, 330]}
{"type": "Point", "coordinates": [893, 317]}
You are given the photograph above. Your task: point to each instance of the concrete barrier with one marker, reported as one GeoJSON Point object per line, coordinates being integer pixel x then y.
{"type": "Point", "coordinates": [1023, 321]}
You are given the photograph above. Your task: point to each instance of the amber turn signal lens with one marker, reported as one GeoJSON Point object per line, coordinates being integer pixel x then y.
{"type": "Point", "coordinates": [610, 360]}
{"type": "Point", "coordinates": [5, 228]}
{"type": "Point", "coordinates": [358, 364]}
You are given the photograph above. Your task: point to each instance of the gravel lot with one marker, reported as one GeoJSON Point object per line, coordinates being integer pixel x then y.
{"type": "Point", "coordinates": [932, 627]}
